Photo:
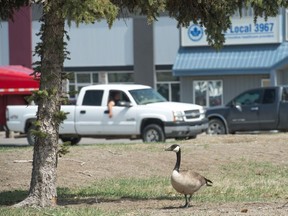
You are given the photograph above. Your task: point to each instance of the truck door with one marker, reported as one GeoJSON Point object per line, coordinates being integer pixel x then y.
{"type": "Point", "coordinates": [88, 116]}
{"type": "Point", "coordinates": [123, 120]}
{"type": "Point", "coordinates": [268, 111]}
{"type": "Point", "coordinates": [244, 112]}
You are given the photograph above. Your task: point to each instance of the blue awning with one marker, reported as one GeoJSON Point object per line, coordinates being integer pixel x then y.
{"type": "Point", "coordinates": [255, 59]}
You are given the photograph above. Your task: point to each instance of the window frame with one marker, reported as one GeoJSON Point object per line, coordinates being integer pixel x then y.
{"type": "Point", "coordinates": [169, 83]}
{"type": "Point", "coordinates": [207, 98]}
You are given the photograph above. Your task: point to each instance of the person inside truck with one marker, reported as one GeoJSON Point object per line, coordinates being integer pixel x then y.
{"type": "Point", "coordinates": [114, 99]}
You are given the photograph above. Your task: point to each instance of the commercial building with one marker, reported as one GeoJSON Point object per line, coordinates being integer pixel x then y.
{"type": "Point", "coordinates": [254, 55]}
{"type": "Point", "coordinates": [177, 62]}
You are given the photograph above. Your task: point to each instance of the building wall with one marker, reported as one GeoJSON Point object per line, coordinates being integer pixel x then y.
{"type": "Point", "coordinates": [282, 77]}
{"type": "Point", "coordinates": [97, 45]}
{"type": "Point", "coordinates": [232, 85]}
{"type": "Point", "coordinates": [20, 47]}
{"type": "Point", "coordinates": [131, 45]}
{"type": "Point", "coordinates": [93, 45]}
{"type": "Point", "coordinates": [4, 43]}
{"type": "Point", "coordinates": [143, 45]}
{"type": "Point", "coordinates": [166, 41]}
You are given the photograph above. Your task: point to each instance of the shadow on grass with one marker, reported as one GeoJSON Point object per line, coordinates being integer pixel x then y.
{"type": "Point", "coordinates": [7, 146]}
{"type": "Point", "coordinates": [8, 198]}
{"type": "Point", "coordinates": [95, 200]}
{"type": "Point", "coordinates": [70, 199]}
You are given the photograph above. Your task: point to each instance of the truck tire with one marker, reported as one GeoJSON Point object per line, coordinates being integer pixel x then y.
{"type": "Point", "coordinates": [72, 140]}
{"type": "Point", "coordinates": [30, 135]}
{"type": "Point", "coordinates": [153, 133]}
{"type": "Point", "coordinates": [216, 127]}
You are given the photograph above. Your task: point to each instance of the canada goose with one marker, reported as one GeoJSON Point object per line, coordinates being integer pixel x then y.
{"type": "Point", "coordinates": [186, 182]}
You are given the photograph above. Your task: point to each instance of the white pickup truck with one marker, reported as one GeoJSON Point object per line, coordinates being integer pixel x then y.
{"type": "Point", "coordinates": [140, 113]}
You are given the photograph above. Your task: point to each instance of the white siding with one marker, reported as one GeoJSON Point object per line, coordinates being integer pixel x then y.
{"type": "Point", "coordinates": [166, 40]}
{"type": "Point", "coordinates": [96, 44]}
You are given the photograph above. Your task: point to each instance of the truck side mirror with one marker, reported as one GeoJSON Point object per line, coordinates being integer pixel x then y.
{"type": "Point", "coordinates": [124, 104]}
{"type": "Point", "coordinates": [232, 103]}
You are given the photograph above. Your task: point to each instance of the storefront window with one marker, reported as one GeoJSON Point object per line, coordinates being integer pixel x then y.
{"type": "Point", "coordinates": [77, 80]}
{"type": "Point", "coordinates": [200, 93]}
{"type": "Point", "coordinates": [208, 93]}
{"type": "Point", "coordinates": [163, 89]}
{"type": "Point", "coordinates": [83, 77]}
{"type": "Point", "coordinates": [175, 91]}
{"type": "Point", "coordinates": [168, 86]}
{"type": "Point", "coordinates": [95, 78]}
{"type": "Point", "coordinates": [121, 77]}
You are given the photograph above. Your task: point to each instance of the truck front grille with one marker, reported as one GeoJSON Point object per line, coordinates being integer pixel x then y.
{"type": "Point", "coordinates": [192, 114]}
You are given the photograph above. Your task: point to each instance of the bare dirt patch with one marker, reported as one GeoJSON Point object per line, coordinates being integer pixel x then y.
{"type": "Point", "coordinates": [86, 164]}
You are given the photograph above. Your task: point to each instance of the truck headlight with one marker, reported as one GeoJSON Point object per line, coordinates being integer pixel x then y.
{"type": "Point", "coordinates": [178, 116]}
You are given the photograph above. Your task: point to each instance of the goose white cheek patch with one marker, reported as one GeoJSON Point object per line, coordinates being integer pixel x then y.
{"type": "Point", "coordinates": [176, 149]}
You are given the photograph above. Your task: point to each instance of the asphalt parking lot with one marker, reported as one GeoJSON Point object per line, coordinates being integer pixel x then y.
{"type": "Point", "coordinates": [23, 142]}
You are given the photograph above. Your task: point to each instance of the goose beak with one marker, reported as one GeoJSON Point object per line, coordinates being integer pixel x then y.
{"type": "Point", "coordinates": [169, 149]}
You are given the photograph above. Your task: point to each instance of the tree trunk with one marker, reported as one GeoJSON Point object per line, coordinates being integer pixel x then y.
{"type": "Point", "coordinates": [43, 190]}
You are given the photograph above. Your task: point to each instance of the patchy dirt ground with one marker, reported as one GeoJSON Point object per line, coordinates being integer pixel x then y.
{"type": "Point", "coordinates": [85, 164]}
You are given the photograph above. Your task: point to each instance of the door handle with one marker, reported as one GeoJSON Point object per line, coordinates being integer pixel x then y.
{"type": "Point", "coordinates": [254, 108]}
{"type": "Point", "coordinates": [82, 111]}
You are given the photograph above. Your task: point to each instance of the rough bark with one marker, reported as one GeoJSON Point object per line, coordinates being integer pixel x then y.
{"type": "Point", "coordinates": [43, 190]}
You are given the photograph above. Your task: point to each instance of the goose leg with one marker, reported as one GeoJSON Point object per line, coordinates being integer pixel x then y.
{"type": "Point", "coordinates": [186, 201]}
{"type": "Point", "coordinates": [189, 199]}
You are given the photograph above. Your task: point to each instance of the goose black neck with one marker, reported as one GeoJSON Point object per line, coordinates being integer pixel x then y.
{"type": "Point", "coordinates": [178, 161]}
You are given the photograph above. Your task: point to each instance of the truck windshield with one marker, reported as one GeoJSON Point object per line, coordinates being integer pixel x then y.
{"type": "Point", "coordinates": [146, 96]}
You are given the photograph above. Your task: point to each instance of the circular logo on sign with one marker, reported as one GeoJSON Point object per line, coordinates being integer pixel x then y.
{"type": "Point", "coordinates": [195, 32]}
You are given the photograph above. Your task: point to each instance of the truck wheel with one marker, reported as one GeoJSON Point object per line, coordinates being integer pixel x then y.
{"type": "Point", "coordinates": [153, 133]}
{"type": "Point", "coordinates": [72, 140]}
{"type": "Point", "coordinates": [30, 135]}
{"type": "Point", "coordinates": [216, 127]}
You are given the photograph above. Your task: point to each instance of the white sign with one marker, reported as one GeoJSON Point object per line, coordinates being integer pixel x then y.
{"type": "Point", "coordinates": [243, 31]}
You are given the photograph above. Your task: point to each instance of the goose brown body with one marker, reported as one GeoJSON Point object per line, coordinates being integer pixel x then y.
{"type": "Point", "coordinates": [186, 182]}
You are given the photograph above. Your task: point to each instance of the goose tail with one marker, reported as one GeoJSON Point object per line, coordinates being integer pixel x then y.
{"type": "Point", "coordinates": [208, 182]}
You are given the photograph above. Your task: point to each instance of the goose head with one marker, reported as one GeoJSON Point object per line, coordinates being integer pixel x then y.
{"type": "Point", "coordinates": [175, 148]}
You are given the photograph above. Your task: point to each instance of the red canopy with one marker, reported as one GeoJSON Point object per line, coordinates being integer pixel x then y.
{"type": "Point", "coordinates": [17, 80]}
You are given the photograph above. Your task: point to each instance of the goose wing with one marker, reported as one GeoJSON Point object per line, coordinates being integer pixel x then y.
{"type": "Point", "coordinates": [187, 182]}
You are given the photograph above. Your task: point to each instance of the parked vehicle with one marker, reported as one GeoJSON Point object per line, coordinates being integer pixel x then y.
{"type": "Point", "coordinates": [260, 109]}
{"type": "Point", "coordinates": [141, 113]}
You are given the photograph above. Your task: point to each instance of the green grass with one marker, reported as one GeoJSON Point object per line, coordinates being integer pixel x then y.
{"type": "Point", "coordinates": [242, 181]}
{"type": "Point", "coordinates": [251, 181]}
{"type": "Point", "coordinates": [59, 211]}
{"type": "Point", "coordinates": [134, 189]}
{"type": "Point", "coordinates": [4, 149]}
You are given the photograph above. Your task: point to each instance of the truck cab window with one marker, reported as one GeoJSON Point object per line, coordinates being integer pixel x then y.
{"type": "Point", "coordinates": [249, 98]}
{"type": "Point", "coordinates": [285, 95]}
{"type": "Point", "coordinates": [269, 96]}
{"type": "Point", "coordinates": [93, 98]}
{"type": "Point", "coordinates": [117, 96]}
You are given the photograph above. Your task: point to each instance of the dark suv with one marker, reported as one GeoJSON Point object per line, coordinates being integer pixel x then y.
{"type": "Point", "coordinates": [253, 110]}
